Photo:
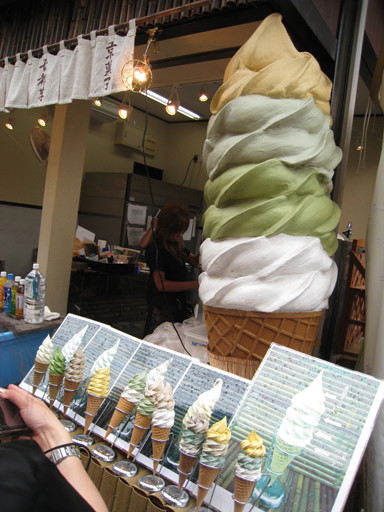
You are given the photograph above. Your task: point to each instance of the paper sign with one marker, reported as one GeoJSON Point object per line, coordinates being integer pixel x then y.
{"type": "Point", "coordinates": [134, 235]}
{"type": "Point", "coordinates": [83, 234]}
{"type": "Point", "coordinates": [136, 214]}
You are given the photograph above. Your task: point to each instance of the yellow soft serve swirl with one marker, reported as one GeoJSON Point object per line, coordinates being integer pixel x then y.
{"type": "Point", "coordinates": [253, 445]}
{"type": "Point", "coordinates": [99, 383]}
{"type": "Point", "coordinates": [219, 432]}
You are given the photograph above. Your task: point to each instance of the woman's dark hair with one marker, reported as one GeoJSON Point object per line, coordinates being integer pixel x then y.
{"type": "Point", "coordinates": [171, 220]}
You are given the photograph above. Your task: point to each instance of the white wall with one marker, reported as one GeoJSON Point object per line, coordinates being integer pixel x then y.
{"type": "Point", "coordinates": [23, 178]}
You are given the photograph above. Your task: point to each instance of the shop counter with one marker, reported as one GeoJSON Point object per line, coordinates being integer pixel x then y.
{"type": "Point", "coordinates": [19, 342]}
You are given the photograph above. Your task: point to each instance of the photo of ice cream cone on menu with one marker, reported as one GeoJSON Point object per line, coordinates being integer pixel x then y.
{"type": "Point", "coordinates": [247, 469]}
{"type": "Point", "coordinates": [104, 359]}
{"type": "Point", "coordinates": [73, 344]}
{"type": "Point", "coordinates": [269, 226]}
{"type": "Point", "coordinates": [163, 419]}
{"type": "Point", "coordinates": [129, 398]}
{"type": "Point", "coordinates": [142, 423]}
{"type": "Point", "coordinates": [73, 376]}
{"type": "Point", "coordinates": [56, 374]}
{"type": "Point", "coordinates": [194, 428]}
{"type": "Point", "coordinates": [97, 391]}
{"type": "Point", "coordinates": [212, 458]}
{"type": "Point", "coordinates": [145, 408]}
{"type": "Point", "coordinates": [298, 427]}
{"type": "Point", "coordinates": [43, 358]}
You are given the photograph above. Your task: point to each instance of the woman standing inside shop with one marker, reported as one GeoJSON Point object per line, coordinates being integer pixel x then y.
{"type": "Point", "coordinates": [166, 258]}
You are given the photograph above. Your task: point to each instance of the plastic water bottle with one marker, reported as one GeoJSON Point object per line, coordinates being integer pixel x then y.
{"type": "Point", "coordinates": [34, 296]}
{"type": "Point", "coordinates": [8, 293]}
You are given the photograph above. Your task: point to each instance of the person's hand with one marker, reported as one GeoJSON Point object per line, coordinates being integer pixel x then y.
{"type": "Point", "coordinates": [46, 429]}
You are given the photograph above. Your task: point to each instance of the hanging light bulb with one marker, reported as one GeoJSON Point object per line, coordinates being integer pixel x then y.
{"type": "Point", "coordinates": [137, 75]}
{"type": "Point", "coordinates": [173, 102]}
{"type": "Point", "coordinates": [125, 110]}
{"type": "Point", "coordinates": [97, 102]}
{"type": "Point", "coordinates": [44, 118]}
{"type": "Point", "coordinates": [203, 96]}
{"type": "Point", "coordinates": [10, 122]}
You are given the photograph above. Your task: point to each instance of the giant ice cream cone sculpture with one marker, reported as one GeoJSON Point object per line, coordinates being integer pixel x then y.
{"type": "Point", "coordinates": [298, 427]}
{"type": "Point", "coordinates": [270, 224]}
{"type": "Point", "coordinates": [129, 398]}
{"type": "Point", "coordinates": [194, 429]}
{"type": "Point", "coordinates": [247, 469]}
{"type": "Point", "coordinates": [43, 357]}
{"type": "Point", "coordinates": [146, 405]}
{"type": "Point", "coordinates": [73, 376]}
{"type": "Point", "coordinates": [56, 374]}
{"type": "Point", "coordinates": [212, 458]}
{"type": "Point", "coordinates": [97, 391]}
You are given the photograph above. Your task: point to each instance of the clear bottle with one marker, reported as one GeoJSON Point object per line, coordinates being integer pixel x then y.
{"type": "Point", "coordinates": [34, 296]}
{"type": "Point", "coordinates": [14, 291]}
{"type": "Point", "coordinates": [3, 278]}
{"type": "Point", "coordinates": [20, 300]}
{"type": "Point", "coordinates": [8, 293]}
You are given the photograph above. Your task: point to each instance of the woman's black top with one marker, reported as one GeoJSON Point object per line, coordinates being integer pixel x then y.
{"type": "Point", "coordinates": [30, 482]}
{"type": "Point", "coordinates": [158, 258]}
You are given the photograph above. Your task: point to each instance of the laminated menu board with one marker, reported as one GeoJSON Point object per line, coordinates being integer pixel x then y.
{"type": "Point", "coordinates": [315, 419]}
{"type": "Point", "coordinates": [315, 415]}
{"type": "Point", "coordinates": [187, 377]}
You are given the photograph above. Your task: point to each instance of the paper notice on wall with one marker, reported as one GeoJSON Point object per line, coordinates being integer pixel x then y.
{"type": "Point", "coordinates": [188, 234]}
{"type": "Point", "coordinates": [134, 235]}
{"type": "Point", "coordinates": [84, 234]}
{"type": "Point", "coordinates": [136, 214]}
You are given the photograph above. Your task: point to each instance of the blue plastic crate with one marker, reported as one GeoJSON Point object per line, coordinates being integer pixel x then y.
{"type": "Point", "coordinates": [17, 354]}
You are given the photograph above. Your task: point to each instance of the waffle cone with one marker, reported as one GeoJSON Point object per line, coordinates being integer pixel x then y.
{"type": "Point", "coordinates": [235, 336]}
{"type": "Point", "coordinates": [39, 370]}
{"type": "Point", "coordinates": [122, 408]}
{"type": "Point", "coordinates": [70, 388]}
{"type": "Point", "coordinates": [142, 424]}
{"type": "Point", "coordinates": [283, 453]}
{"type": "Point", "coordinates": [243, 491]}
{"type": "Point", "coordinates": [186, 464]}
{"type": "Point", "coordinates": [54, 386]}
{"type": "Point", "coordinates": [93, 405]}
{"type": "Point", "coordinates": [207, 476]}
{"type": "Point", "coordinates": [159, 440]}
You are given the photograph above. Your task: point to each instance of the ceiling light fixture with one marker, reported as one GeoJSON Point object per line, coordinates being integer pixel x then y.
{"type": "Point", "coordinates": [44, 118]}
{"type": "Point", "coordinates": [203, 96]}
{"type": "Point", "coordinates": [125, 109]}
{"type": "Point", "coordinates": [10, 122]}
{"type": "Point", "coordinates": [97, 102]}
{"type": "Point", "coordinates": [163, 101]}
{"type": "Point", "coordinates": [173, 102]}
